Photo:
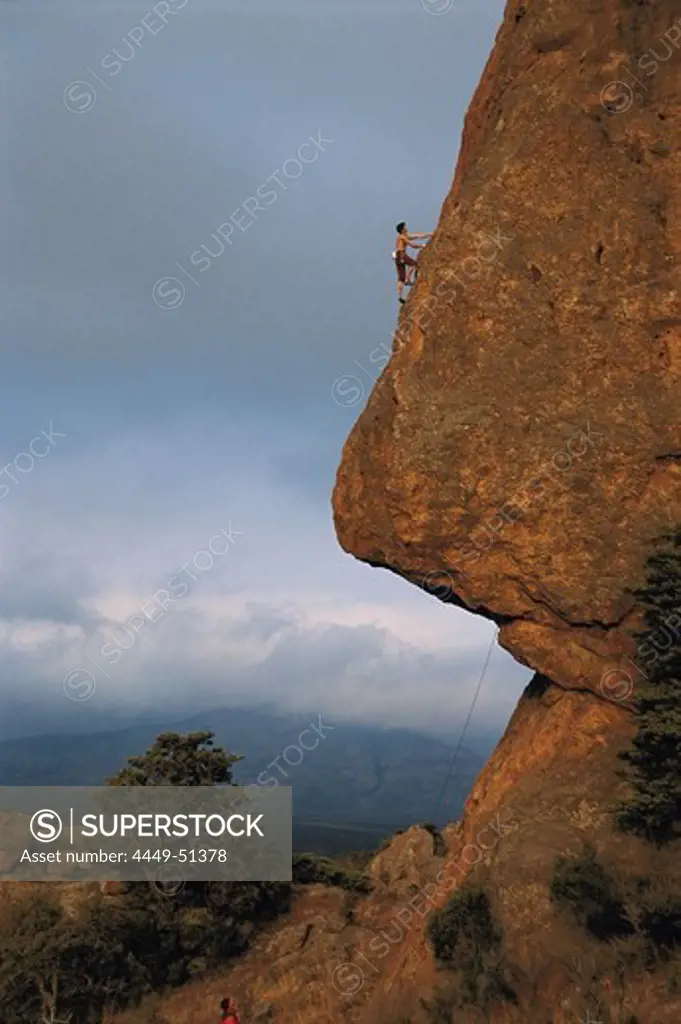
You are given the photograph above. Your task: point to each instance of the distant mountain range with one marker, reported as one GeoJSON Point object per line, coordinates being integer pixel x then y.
{"type": "Point", "coordinates": [359, 783]}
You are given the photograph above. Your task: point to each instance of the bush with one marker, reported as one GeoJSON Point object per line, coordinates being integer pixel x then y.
{"type": "Point", "coordinates": [653, 809]}
{"type": "Point", "coordinates": [660, 922]}
{"type": "Point", "coordinates": [309, 869]}
{"type": "Point", "coordinates": [464, 928]}
{"type": "Point", "coordinates": [465, 938]}
{"type": "Point", "coordinates": [583, 887]}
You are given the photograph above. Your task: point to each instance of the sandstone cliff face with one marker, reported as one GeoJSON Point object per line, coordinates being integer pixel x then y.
{"type": "Point", "coordinates": [523, 446]}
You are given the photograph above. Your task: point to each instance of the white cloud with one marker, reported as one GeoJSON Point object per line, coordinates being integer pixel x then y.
{"type": "Point", "coordinates": [283, 616]}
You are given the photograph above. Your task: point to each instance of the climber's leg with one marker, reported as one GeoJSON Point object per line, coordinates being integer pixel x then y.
{"type": "Point", "coordinates": [411, 268]}
{"type": "Point", "coordinates": [401, 276]}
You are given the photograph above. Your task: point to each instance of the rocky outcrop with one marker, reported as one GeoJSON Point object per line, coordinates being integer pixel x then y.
{"type": "Point", "coordinates": [409, 861]}
{"type": "Point", "coordinates": [519, 453]}
{"type": "Point", "coordinates": [523, 445]}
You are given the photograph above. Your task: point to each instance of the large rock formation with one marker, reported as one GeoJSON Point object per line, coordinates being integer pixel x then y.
{"type": "Point", "coordinates": [518, 455]}
{"type": "Point", "coordinates": [523, 446]}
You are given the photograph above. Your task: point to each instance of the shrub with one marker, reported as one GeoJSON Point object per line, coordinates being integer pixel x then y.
{"type": "Point", "coordinates": [583, 887]}
{"type": "Point", "coordinates": [660, 922]}
{"type": "Point", "coordinates": [653, 809]}
{"type": "Point", "coordinates": [464, 928]}
{"type": "Point", "coordinates": [465, 938]}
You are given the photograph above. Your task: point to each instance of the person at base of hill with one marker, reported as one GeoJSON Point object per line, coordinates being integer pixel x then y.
{"type": "Point", "coordinates": [229, 1012]}
{"type": "Point", "coordinates": [406, 265]}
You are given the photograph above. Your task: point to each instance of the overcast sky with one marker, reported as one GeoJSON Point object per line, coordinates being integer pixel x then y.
{"type": "Point", "coordinates": [186, 391]}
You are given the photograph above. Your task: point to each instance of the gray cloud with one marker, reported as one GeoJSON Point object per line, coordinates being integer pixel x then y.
{"type": "Point", "coordinates": [39, 586]}
{"type": "Point", "coordinates": [187, 662]}
{"type": "Point", "coordinates": [180, 421]}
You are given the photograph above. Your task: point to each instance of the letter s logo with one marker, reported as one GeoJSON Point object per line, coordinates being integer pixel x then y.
{"type": "Point", "coordinates": [46, 826]}
{"type": "Point", "coordinates": [168, 292]}
{"type": "Point", "coordinates": [79, 97]}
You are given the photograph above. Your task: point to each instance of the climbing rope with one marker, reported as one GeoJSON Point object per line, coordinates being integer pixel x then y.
{"type": "Point", "coordinates": [465, 727]}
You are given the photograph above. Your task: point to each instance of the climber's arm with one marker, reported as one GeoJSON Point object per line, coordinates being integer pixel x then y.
{"type": "Point", "coordinates": [414, 244]}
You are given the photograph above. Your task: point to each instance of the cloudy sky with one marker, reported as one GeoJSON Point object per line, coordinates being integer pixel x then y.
{"type": "Point", "coordinates": [170, 350]}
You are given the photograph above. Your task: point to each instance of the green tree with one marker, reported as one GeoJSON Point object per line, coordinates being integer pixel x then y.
{"type": "Point", "coordinates": [654, 758]}
{"type": "Point", "coordinates": [55, 964]}
{"type": "Point", "coordinates": [204, 923]}
{"type": "Point", "coordinates": [179, 759]}
{"type": "Point", "coordinates": [36, 947]}
{"type": "Point", "coordinates": [61, 963]}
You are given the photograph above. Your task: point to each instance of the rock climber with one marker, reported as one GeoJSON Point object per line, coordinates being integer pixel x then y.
{"type": "Point", "coordinates": [229, 1012]}
{"type": "Point", "coordinates": [406, 264]}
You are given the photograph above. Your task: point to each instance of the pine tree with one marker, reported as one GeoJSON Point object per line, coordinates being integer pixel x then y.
{"type": "Point", "coordinates": [654, 758]}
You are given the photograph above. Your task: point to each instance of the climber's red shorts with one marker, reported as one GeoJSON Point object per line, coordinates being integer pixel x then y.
{"type": "Point", "coordinates": [402, 261]}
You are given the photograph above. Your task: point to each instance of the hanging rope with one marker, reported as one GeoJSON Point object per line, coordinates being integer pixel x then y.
{"type": "Point", "coordinates": [465, 727]}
